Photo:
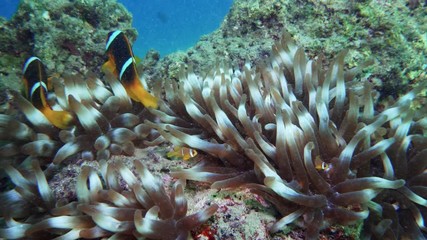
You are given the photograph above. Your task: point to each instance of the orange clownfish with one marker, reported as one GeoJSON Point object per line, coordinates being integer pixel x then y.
{"type": "Point", "coordinates": [321, 165]}
{"type": "Point", "coordinates": [122, 63]}
{"type": "Point", "coordinates": [35, 84]}
{"type": "Point", "coordinates": [182, 153]}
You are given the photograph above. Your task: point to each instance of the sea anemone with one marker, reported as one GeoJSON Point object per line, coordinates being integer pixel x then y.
{"type": "Point", "coordinates": [114, 202]}
{"type": "Point", "coordinates": [307, 139]}
{"type": "Point", "coordinates": [105, 123]}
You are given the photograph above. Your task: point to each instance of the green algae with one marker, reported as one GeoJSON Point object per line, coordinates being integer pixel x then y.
{"type": "Point", "coordinates": [257, 206]}
{"type": "Point", "coordinates": [353, 231]}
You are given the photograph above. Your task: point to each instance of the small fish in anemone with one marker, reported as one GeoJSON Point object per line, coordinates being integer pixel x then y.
{"type": "Point", "coordinates": [182, 153]}
{"type": "Point", "coordinates": [274, 124]}
{"type": "Point", "coordinates": [106, 121]}
{"type": "Point", "coordinates": [113, 202]}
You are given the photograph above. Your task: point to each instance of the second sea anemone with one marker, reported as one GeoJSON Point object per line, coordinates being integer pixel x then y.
{"type": "Point", "coordinates": [307, 138]}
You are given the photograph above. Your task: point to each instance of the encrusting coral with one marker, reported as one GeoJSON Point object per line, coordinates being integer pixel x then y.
{"type": "Point", "coordinates": [306, 139]}
{"type": "Point", "coordinates": [321, 152]}
{"type": "Point", "coordinates": [114, 203]}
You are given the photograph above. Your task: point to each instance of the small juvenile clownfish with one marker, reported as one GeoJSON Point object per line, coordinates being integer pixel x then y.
{"type": "Point", "coordinates": [182, 153]}
{"type": "Point", "coordinates": [321, 165]}
{"type": "Point", "coordinates": [122, 64]}
{"type": "Point", "coordinates": [35, 86]}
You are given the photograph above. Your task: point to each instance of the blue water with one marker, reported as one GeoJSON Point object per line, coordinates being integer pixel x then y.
{"type": "Point", "coordinates": [8, 7]}
{"type": "Point", "coordinates": [171, 25]}
{"type": "Point", "coordinates": [164, 25]}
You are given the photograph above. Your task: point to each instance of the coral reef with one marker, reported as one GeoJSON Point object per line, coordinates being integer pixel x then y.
{"type": "Point", "coordinates": [68, 35]}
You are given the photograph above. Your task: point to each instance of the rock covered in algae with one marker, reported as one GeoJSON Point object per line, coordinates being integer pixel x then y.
{"type": "Point", "coordinates": [69, 36]}
{"type": "Point", "coordinates": [390, 32]}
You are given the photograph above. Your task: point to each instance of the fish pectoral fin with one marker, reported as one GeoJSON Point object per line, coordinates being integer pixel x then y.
{"type": "Point", "coordinates": [110, 67]}
{"type": "Point", "coordinates": [146, 98]}
{"type": "Point", "coordinates": [149, 100]}
{"type": "Point", "coordinates": [171, 154]}
{"type": "Point", "coordinates": [50, 81]}
{"type": "Point", "coordinates": [132, 95]}
{"type": "Point", "coordinates": [60, 119]}
{"type": "Point", "coordinates": [139, 94]}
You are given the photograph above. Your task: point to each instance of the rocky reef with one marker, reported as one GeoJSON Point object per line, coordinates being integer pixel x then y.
{"type": "Point", "coordinates": [391, 32]}
{"type": "Point", "coordinates": [68, 35]}
{"type": "Point", "coordinates": [72, 34]}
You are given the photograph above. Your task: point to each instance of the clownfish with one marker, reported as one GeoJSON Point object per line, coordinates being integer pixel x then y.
{"type": "Point", "coordinates": [35, 87]}
{"type": "Point", "coordinates": [122, 64]}
{"type": "Point", "coordinates": [182, 153]}
{"type": "Point", "coordinates": [321, 165]}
